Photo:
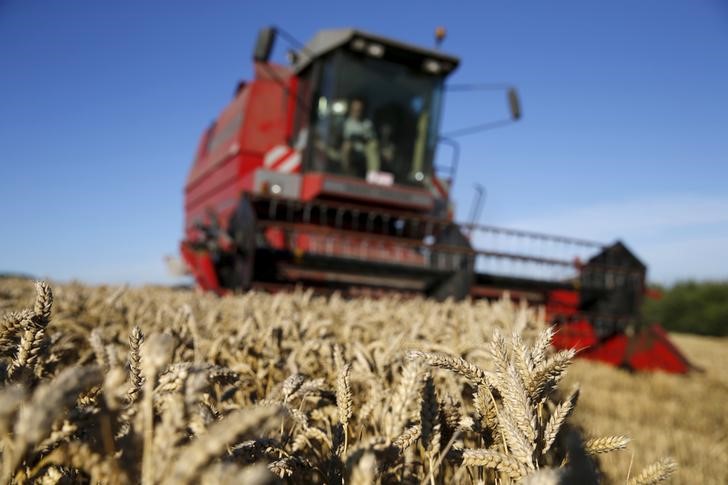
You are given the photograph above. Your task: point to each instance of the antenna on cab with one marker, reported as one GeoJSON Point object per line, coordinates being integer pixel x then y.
{"type": "Point", "coordinates": [440, 34]}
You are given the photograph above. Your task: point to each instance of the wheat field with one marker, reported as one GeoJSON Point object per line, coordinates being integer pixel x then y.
{"type": "Point", "coordinates": [685, 417]}
{"type": "Point", "coordinates": [154, 385]}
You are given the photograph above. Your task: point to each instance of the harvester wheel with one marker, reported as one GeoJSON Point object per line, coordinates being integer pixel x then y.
{"type": "Point", "coordinates": [457, 284]}
{"type": "Point", "coordinates": [242, 230]}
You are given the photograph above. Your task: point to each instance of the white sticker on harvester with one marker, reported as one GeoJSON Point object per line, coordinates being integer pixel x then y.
{"type": "Point", "coordinates": [380, 178]}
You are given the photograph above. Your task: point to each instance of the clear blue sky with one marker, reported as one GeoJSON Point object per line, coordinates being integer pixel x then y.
{"type": "Point", "coordinates": [624, 131]}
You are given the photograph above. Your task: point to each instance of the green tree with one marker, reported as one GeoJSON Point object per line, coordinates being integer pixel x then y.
{"type": "Point", "coordinates": [691, 307]}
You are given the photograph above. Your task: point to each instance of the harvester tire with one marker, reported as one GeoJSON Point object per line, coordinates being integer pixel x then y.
{"type": "Point", "coordinates": [242, 229]}
{"type": "Point", "coordinates": [456, 285]}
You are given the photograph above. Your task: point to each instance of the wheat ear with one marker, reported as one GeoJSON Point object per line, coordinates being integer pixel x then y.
{"type": "Point", "coordinates": [97, 345]}
{"type": "Point", "coordinates": [49, 402]}
{"type": "Point", "coordinates": [408, 438]}
{"type": "Point", "coordinates": [458, 365]}
{"type": "Point", "coordinates": [561, 412]}
{"type": "Point", "coordinates": [655, 473]}
{"type": "Point", "coordinates": [12, 324]}
{"type": "Point", "coordinates": [194, 456]}
{"type": "Point", "coordinates": [343, 400]}
{"type": "Point", "coordinates": [430, 424]}
{"type": "Point", "coordinates": [547, 374]}
{"type": "Point", "coordinates": [29, 350]}
{"type": "Point", "coordinates": [521, 358]}
{"type": "Point", "coordinates": [494, 460]}
{"type": "Point", "coordinates": [31, 343]}
{"type": "Point", "coordinates": [43, 303]}
{"type": "Point", "coordinates": [292, 384]}
{"type": "Point", "coordinates": [405, 393]}
{"type": "Point", "coordinates": [101, 469]}
{"type": "Point", "coordinates": [499, 352]}
{"type": "Point", "coordinates": [541, 346]}
{"type": "Point", "coordinates": [136, 337]}
{"type": "Point", "coordinates": [605, 444]}
{"type": "Point", "coordinates": [520, 447]}
{"type": "Point", "coordinates": [517, 402]}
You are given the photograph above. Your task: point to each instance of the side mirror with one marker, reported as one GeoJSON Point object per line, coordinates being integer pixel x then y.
{"type": "Point", "coordinates": [514, 104]}
{"type": "Point", "coordinates": [264, 44]}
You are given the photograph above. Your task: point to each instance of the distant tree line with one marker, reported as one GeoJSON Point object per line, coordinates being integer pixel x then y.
{"type": "Point", "coordinates": [691, 307]}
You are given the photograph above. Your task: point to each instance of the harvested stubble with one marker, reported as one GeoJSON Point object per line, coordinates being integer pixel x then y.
{"type": "Point", "coordinates": [153, 385]}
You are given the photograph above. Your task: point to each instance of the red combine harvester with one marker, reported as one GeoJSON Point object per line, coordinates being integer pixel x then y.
{"type": "Point", "coordinates": [323, 173]}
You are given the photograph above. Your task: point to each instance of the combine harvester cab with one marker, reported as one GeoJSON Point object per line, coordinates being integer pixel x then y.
{"type": "Point", "coordinates": [322, 173]}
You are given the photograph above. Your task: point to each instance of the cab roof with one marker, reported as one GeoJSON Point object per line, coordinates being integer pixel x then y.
{"type": "Point", "coordinates": [326, 41]}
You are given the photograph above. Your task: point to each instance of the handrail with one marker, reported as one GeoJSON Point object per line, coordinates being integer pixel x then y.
{"type": "Point", "coordinates": [533, 235]}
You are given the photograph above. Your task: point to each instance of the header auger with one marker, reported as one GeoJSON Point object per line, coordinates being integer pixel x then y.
{"type": "Point", "coordinates": [323, 173]}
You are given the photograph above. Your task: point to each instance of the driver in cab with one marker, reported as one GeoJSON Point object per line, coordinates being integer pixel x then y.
{"type": "Point", "coordinates": [360, 150]}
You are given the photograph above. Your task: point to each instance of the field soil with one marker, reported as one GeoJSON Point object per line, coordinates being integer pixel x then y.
{"type": "Point", "coordinates": [685, 417]}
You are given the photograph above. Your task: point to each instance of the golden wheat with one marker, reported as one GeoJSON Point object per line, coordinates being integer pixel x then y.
{"type": "Point", "coordinates": [119, 385]}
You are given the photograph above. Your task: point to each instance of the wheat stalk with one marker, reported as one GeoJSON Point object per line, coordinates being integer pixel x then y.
{"type": "Point", "coordinates": [156, 353]}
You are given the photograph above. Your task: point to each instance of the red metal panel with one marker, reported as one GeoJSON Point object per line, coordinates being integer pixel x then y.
{"type": "Point", "coordinates": [648, 350]}
{"type": "Point", "coordinates": [311, 186]}
{"type": "Point", "coordinates": [564, 298]}
{"type": "Point", "coordinates": [221, 203]}
{"type": "Point", "coordinates": [301, 238]}
{"type": "Point", "coordinates": [206, 187]}
{"type": "Point", "coordinates": [276, 238]}
{"type": "Point", "coordinates": [292, 102]}
{"type": "Point", "coordinates": [245, 129]}
{"type": "Point", "coordinates": [246, 171]}
{"type": "Point", "coordinates": [357, 190]}
{"type": "Point", "coordinates": [580, 335]}
{"type": "Point", "coordinates": [574, 335]}
{"type": "Point", "coordinates": [202, 268]}
{"type": "Point", "coordinates": [358, 248]}
{"type": "Point", "coordinates": [651, 349]}
{"type": "Point", "coordinates": [231, 117]}
{"type": "Point", "coordinates": [267, 113]}
{"type": "Point", "coordinates": [562, 304]}
{"type": "Point", "coordinates": [611, 351]}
